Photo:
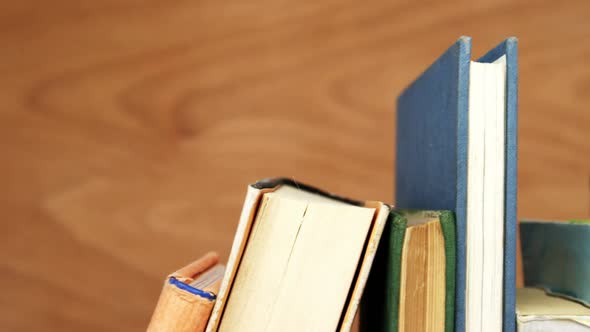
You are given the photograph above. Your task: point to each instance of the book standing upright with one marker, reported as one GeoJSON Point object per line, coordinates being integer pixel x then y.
{"type": "Point", "coordinates": [457, 150]}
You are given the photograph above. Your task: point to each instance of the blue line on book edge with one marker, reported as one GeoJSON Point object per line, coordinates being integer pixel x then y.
{"type": "Point", "coordinates": [192, 290]}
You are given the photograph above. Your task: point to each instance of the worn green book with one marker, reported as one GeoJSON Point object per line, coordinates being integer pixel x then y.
{"type": "Point", "coordinates": [556, 257]}
{"type": "Point", "coordinates": [412, 283]}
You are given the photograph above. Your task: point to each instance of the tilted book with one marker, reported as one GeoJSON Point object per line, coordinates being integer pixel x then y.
{"type": "Point", "coordinates": [300, 260]}
{"type": "Point", "coordinates": [457, 150]}
{"type": "Point", "coordinates": [187, 297]}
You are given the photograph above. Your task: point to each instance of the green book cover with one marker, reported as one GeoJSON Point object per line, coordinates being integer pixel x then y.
{"type": "Point", "coordinates": [556, 257]}
{"type": "Point", "coordinates": [380, 303]}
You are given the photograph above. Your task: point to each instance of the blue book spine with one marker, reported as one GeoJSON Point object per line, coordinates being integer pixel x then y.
{"type": "Point", "coordinates": [431, 157]}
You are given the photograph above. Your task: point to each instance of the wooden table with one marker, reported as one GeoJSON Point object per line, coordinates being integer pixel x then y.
{"type": "Point", "coordinates": [129, 130]}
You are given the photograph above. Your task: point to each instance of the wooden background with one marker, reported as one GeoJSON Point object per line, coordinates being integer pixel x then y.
{"type": "Point", "coordinates": [129, 129]}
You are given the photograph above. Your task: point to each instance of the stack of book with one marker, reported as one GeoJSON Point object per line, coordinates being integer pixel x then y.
{"type": "Point", "coordinates": [442, 259]}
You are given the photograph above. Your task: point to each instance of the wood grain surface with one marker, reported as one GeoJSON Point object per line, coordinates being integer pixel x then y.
{"type": "Point", "coordinates": [130, 129]}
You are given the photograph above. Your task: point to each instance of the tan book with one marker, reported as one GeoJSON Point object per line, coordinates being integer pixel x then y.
{"type": "Point", "coordinates": [299, 262]}
{"type": "Point", "coordinates": [188, 296]}
{"type": "Point", "coordinates": [412, 285]}
{"type": "Point", "coordinates": [422, 285]}
{"type": "Point", "coordinates": [538, 311]}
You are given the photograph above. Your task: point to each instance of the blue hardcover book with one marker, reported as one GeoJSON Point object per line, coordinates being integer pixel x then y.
{"type": "Point", "coordinates": [457, 150]}
{"type": "Point", "coordinates": [556, 257]}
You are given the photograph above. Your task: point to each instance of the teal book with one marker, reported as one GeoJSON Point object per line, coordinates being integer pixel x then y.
{"type": "Point", "coordinates": [411, 286]}
{"type": "Point", "coordinates": [556, 257]}
{"type": "Point", "coordinates": [456, 149]}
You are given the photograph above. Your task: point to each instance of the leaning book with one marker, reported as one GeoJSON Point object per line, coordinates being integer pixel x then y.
{"type": "Point", "coordinates": [300, 260]}
{"type": "Point", "coordinates": [187, 297]}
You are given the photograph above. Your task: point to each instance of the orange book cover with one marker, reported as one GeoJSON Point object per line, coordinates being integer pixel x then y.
{"type": "Point", "coordinates": [188, 296]}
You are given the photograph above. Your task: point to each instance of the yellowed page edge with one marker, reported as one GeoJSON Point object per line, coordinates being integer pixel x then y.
{"type": "Point", "coordinates": [249, 209]}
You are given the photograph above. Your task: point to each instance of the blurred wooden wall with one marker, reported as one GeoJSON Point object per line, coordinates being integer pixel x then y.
{"type": "Point", "coordinates": [129, 129]}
